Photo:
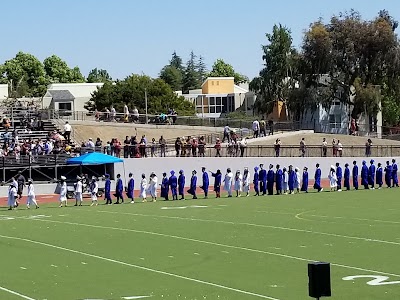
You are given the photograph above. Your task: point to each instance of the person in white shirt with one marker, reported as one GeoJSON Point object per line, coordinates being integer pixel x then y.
{"type": "Point", "coordinates": [126, 113]}
{"type": "Point", "coordinates": [113, 113]}
{"type": "Point", "coordinates": [31, 195]}
{"type": "Point", "coordinates": [67, 132]}
{"type": "Point", "coordinates": [78, 191]}
{"type": "Point", "coordinates": [246, 181]}
{"type": "Point", "coordinates": [94, 188]}
{"type": "Point", "coordinates": [143, 188]}
{"type": "Point", "coordinates": [256, 128]}
{"type": "Point", "coordinates": [332, 179]}
{"type": "Point", "coordinates": [227, 131]}
{"type": "Point", "coordinates": [153, 187]}
{"type": "Point", "coordinates": [135, 114]}
{"type": "Point", "coordinates": [238, 183]}
{"type": "Point", "coordinates": [228, 182]}
{"type": "Point", "coordinates": [12, 196]}
{"type": "Point", "coordinates": [63, 191]}
{"type": "Point", "coordinates": [285, 180]}
{"type": "Point", "coordinates": [90, 144]}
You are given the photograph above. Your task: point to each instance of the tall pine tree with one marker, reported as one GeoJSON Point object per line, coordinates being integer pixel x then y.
{"type": "Point", "coordinates": [191, 77]}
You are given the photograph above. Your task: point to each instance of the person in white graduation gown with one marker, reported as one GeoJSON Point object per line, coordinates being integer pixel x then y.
{"type": "Point", "coordinates": [238, 183]}
{"type": "Point", "coordinates": [246, 181]}
{"type": "Point", "coordinates": [228, 182]}
{"type": "Point", "coordinates": [63, 191]}
{"type": "Point", "coordinates": [31, 195]}
{"type": "Point", "coordinates": [143, 188]}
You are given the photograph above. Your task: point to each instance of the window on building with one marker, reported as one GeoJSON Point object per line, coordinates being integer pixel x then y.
{"type": "Point", "coordinates": [218, 101]}
{"type": "Point", "coordinates": [212, 109]}
{"type": "Point", "coordinates": [65, 106]}
{"type": "Point", "coordinates": [198, 101]}
{"type": "Point", "coordinates": [212, 101]}
{"type": "Point", "coordinates": [335, 121]}
{"type": "Point", "coordinates": [218, 109]}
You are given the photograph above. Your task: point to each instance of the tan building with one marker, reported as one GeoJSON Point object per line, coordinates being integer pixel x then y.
{"type": "Point", "coordinates": [218, 95]}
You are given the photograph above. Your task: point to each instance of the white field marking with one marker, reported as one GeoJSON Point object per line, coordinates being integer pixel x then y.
{"type": "Point", "coordinates": [83, 263]}
{"type": "Point", "coordinates": [15, 293]}
{"type": "Point", "coordinates": [135, 297]}
{"type": "Point", "coordinates": [357, 219]}
{"type": "Point", "coordinates": [23, 268]}
{"type": "Point", "coordinates": [198, 206]}
{"type": "Point", "coordinates": [196, 253]}
{"type": "Point", "coordinates": [138, 267]}
{"type": "Point", "coordinates": [260, 225]}
{"type": "Point", "coordinates": [223, 205]}
{"type": "Point", "coordinates": [216, 244]}
{"type": "Point", "coordinates": [6, 218]}
{"type": "Point", "coordinates": [174, 207]}
{"type": "Point", "coordinates": [46, 197]}
{"type": "Point", "coordinates": [297, 216]}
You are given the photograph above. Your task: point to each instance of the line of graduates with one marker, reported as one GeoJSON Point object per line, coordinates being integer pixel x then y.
{"type": "Point", "coordinates": [284, 180]}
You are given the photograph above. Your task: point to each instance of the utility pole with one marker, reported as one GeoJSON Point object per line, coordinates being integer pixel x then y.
{"type": "Point", "coordinates": [145, 100]}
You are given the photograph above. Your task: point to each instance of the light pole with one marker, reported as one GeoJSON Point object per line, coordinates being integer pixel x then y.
{"type": "Point", "coordinates": [145, 101]}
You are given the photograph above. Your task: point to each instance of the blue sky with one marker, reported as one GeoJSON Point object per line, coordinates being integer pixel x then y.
{"type": "Point", "coordinates": [127, 36]}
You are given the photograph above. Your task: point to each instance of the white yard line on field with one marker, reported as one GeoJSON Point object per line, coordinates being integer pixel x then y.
{"type": "Point", "coordinates": [215, 244]}
{"type": "Point", "coordinates": [365, 239]}
{"type": "Point", "coordinates": [15, 293]}
{"type": "Point", "coordinates": [134, 266]}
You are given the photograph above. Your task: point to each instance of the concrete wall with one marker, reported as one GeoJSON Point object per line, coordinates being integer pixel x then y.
{"type": "Point", "coordinates": [159, 165]}
{"type": "Point", "coordinates": [215, 85]}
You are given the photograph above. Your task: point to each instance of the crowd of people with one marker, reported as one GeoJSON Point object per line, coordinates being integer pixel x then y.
{"type": "Point", "coordinates": [276, 180]}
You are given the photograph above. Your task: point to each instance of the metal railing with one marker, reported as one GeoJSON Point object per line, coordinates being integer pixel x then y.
{"type": "Point", "coordinates": [138, 151]}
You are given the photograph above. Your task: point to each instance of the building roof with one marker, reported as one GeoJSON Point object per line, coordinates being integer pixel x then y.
{"type": "Point", "coordinates": [78, 90]}
{"type": "Point", "coordinates": [61, 95]}
{"type": "Point", "coordinates": [217, 78]}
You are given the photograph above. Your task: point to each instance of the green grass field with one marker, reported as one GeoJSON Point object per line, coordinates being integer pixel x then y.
{"type": "Point", "coordinates": [238, 248]}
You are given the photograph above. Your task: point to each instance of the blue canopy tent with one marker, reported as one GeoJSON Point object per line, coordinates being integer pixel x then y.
{"type": "Point", "coordinates": [94, 158]}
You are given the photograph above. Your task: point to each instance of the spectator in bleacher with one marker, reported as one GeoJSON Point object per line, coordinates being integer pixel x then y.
{"type": "Point", "coordinates": [142, 146]}
{"type": "Point", "coordinates": [107, 115]}
{"type": "Point", "coordinates": [339, 147]}
{"type": "Point", "coordinates": [368, 146]}
{"type": "Point", "coordinates": [163, 144]}
{"type": "Point", "coordinates": [334, 148]}
{"type": "Point", "coordinates": [89, 145]}
{"type": "Point", "coordinates": [277, 147]}
{"type": "Point", "coordinates": [302, 147]}
{"type": "Point", "coordinates": [202, 146]}
{"type": "Point", "coordinates": [218, 148]}
{"type": "Point", "coordinates": [107, 149]}
{"type": "Point", "coordinates": [153, 147]}
{"type": "Point", "coordinates": [6, 136]}
{"type": "Point", "coordinates": [242, 145]}
{"type": "Point", "coordinates": [67, 132]}
{"type": "Point", "coordinates": [271, 127]}
{"type": "Point", "coordinates": [177, 146]}
{"type": "Point", "coordinates": [194, 145]}
{"type": "Point", "coordinates": [227, 131]}
{"type": "Point", "coordinates": [127, 143]}
{"type": "Point", "coordinates": [183, 146]}
{"type": "Point", "coordinates": [98, 144]}
{"type": "Point", "coordinates": [117, 148]}
{"type": "Point", "coordinates": [324, 147]}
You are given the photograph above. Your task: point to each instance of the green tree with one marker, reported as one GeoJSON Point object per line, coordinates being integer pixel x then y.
{"type": "Point", "coordinates": [98, 75]}
{"type": "Point", "coordinates": [131, 91]}
{"type": "Point", "coordinates": [222, 69]}
{"type": "Point", "coordinates": [176, 61]}
{"type": "Point", "coordinates": [26, 76]}
{"type": "Point", "coordinates": [57, 71]}
{"type": "Point", "coordinates": [191, 79]}
{"type": "Point", "coordinates": [172, 76]}
{"type": "Point", "coordinates": [201, 69]}
{"type": "Point", "coordinates": [276, 79]}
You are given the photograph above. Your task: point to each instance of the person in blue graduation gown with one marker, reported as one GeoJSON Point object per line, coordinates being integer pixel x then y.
{"type": "Point", "coordinates": [379, 176]}
{"type": "Point", "coordinates": [317, 179]}
{"type": "Point", "coordinates": [206, 182]}
{"type": "Point", "coordinates": [339, 176]}
{"type": "Point", "coordinates": [355, 175]}
{"type": "Point", "coordinates": [193, 184]}
{"type": "Point", "coordinates": [292, 175]}
{"type": "Point", "coordinates": [263, 179]}
{"type": "Point", "coordinates": [388, 174]}
{"type": "Point", "coordinates": [394, 174]}
{"type": "Point", "coordinates": [181, 185]}
{"type": "Point", "coordinates": [364, 175]}
{"type": "Point", "coordinates": [164, 187]}
{"type": "Point", "coordinates": [173, 183]}
{"type": "Point", "coordinates": [371, 174]}
{"type": "Point", "coordinates": [107, 190]}
{"type": "Point", "coordinates": [217, 183]}
{"type": "Point", "coordinates": [270, 180]}
{"type": "Point", "coordinates": [346, 177]}
{"type": "Point", "coordinates": [304, 182]}
{"type": "Point", "coordinates": [278, 180]}
{"type": "Point", "coordinates": [119, 190]}
{"type": "Point", "coordinates": [131, 188]}
{"type": "Point", "coordinates": [256, 181]}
